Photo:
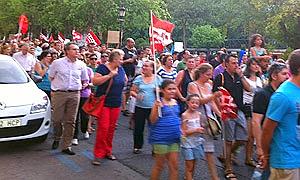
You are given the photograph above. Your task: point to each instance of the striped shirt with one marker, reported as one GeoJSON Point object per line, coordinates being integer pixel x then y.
{"type": "Point", "coordinates": [167, 75]}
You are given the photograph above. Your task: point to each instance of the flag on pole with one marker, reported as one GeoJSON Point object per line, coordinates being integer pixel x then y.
{"type": "Point", "coordinates": [228, 107]}
{"type": "Point", "coordinates": [43, 37]}
{"type": "Point", "coordinates": [160, 33]}
{"type": "Point", "coordinates": [51, 39]}
{"type": "Point", "coordinates": [61, 37]}
{"type": "Point", "coordinates": [92, 38]}
{"type": "Point", "coordinates": [76, 36]}
{"type": "Point", "coordinates": [23, 24]}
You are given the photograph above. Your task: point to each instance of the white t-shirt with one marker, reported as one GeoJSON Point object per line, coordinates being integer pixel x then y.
{"type": "Point", "coordinates": [248, 96]}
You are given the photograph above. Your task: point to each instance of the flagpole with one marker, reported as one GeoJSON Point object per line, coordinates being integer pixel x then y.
{"type": "Point", "coordinates": [155, 67]}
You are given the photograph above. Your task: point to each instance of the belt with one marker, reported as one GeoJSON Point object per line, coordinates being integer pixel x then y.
{"type": "Point", "coordinates": [64, 90]}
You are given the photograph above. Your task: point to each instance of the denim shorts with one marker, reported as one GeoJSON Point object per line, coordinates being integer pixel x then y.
{"type": "Point", "coordinates": [165, 149]}
{"type": "Point", "coordinates": [193, 153]}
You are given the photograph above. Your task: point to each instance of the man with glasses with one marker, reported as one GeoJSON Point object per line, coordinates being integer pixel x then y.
{"type": "Point", "coordinates": [68, 76]}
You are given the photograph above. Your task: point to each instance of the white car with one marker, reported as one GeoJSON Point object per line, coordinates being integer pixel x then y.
{"type": "Point", "coordinates": [25, 110]}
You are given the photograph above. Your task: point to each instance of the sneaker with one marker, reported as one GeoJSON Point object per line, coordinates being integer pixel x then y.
{"type": "Point", "coordinates": [137, 151]}
{"type": "Point", "coordinates": [96, 162]}
{"type": "Point", "coordinates": [86, 135]}
{"type": "Point", "coordinates": [68, 151]}
{"type": "Point", "coordinates": [126, 113]}
{"type": "Point", "coordinates": [75, 142]}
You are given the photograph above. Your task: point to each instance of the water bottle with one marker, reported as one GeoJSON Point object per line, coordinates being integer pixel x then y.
{"type": "Point", "coordinates": [257, 173]}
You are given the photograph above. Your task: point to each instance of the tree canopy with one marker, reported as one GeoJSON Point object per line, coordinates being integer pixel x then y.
{"type": "Point", "coordinates": [277, 20]}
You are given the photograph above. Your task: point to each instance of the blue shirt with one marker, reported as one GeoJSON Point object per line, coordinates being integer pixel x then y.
{"type": "Point", "coordinates": [114, 96]}
{"type": "Point", "coordinates": [166, 130]}
{"type": "Point", "coordinates": [284, 108]}
{"type": "Point", "coordinates": [147, 91]}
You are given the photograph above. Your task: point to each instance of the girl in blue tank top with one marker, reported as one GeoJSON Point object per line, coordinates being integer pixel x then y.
{"type": "Point", "coordinates": [164, 131]}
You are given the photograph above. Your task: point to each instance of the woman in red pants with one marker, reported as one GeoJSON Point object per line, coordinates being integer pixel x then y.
{"type": "Point", "coordinates": [112, 70]}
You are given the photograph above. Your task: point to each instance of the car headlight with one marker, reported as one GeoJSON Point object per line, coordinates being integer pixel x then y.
{"type": "Point", "coordinates": [40, 106]}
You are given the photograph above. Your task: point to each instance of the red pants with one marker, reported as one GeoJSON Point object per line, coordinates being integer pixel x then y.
{"type": "Point", "coordinates": [106, 125]}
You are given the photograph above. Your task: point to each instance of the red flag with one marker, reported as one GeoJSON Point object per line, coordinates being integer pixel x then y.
{"type": "Point", "coordinates": [51, 39]}
{"type": "Point", "coordinates": [61, 37]}
{"type": "Point", "coordinates": [92, 38]}
{"type": "Point", "coordinates": [23, 24]}
{"type": "Point", "coordinates": [160, 33]}
{"type": "Point", "coordinates": [43, 37]}
{"type": "Point", "coordinates": [228, 107]}
{"type": "Point", "coordinates": [76, 36]}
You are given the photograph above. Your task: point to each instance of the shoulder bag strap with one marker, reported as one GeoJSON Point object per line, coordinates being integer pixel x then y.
{"type": "Point", "coordinates": [109, 86]}
{"type": "Point", "coordinates": [222, 79]}
{"type": "Point", "coordinates": [205, 111]}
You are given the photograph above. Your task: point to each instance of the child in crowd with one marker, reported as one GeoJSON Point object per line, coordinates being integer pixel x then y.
{"type": "Point", "coordinates": [191, 142]}
{"type": "Point", "coordinates": [164, 131]}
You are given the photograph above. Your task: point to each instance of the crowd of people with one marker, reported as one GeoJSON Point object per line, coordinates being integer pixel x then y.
{"type": "Point", "coordinates": [263, 91]}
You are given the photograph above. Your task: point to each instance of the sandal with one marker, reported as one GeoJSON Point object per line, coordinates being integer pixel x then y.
{"type": "Point", "coordinates": [251, 163]}
{"type": "Point", "coordinates": [230, 175]}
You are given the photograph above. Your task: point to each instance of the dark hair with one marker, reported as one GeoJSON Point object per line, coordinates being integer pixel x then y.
{"type": "Point", "coordinates": [275, 69]}
{"type": "Point", "coordinates": [92, 54]}
{"type": "Point", "coordinates": [164, 60]}
{"type": "Point", "coordinates": [247, 71]}
{"type": "Point", "coordinates": [222, 57]}
{"type": "Point", "coordinates": [227, 58]}
{"type": "Point", "coordinates": [203, 68]}
{"type": "Point", "coordinates": [166, 83]}
{"type": "Point", "coordinates": [190, 96]}
{"type": "Point", "coordinates": [43, 55]}
{"type": "Point", "coordinates": [254, 37]}
{"type": "Point", "coordinates": [67, 46]}
{"type": "Point", "coordinates": [294, 62]}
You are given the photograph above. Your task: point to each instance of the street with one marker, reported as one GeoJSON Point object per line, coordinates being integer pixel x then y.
{"type": "Point", "coordinates": [29, 160]}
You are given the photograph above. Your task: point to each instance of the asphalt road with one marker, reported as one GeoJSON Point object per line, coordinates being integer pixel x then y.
{"type": "Point", "coordinates": [29, 160]}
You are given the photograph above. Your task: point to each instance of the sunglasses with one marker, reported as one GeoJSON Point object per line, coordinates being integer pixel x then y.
{"type": "Point", "coordinates": [93, 58]}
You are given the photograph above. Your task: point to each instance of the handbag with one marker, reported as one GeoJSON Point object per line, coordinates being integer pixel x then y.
{"type": "Point", "coordinates": [93, 106]}
{"type": "Point", "coordinates": [214, 126]}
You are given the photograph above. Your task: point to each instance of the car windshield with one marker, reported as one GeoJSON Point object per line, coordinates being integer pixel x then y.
{"type": "Point", "coordinates": [11, 73]}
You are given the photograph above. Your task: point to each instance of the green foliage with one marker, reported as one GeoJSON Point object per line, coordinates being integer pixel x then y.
{"type": "Point", "coordinates": [282, 20]}
{"type": "Point", "coordinates": [206, 37]}
{"type": "Point", "coordinates": [64, 15]}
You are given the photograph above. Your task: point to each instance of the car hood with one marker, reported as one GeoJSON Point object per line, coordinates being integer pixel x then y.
{"type": "Point", "coordinates": [20, 94]}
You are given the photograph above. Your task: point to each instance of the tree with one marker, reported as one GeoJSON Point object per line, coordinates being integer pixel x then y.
{"type": "Point", "coordinates": [207, 37]}
{"type": "Point", "coordinates": [57, 15]}
{"type": "Point", "coordinates": [282, 20]}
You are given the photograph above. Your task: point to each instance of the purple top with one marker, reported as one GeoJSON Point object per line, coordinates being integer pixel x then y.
{"type": "Point", "coordinates": [218, 70]}
{"type": "Point", "coordinates": [87, 91]}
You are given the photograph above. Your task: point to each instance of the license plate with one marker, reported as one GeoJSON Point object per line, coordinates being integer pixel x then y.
{"type": "Point", "coordinates": [6, 123]}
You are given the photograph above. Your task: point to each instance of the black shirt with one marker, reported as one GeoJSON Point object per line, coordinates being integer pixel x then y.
{"type": "Point", "coordinates": [261, 100]}
{"type": "Point", "coordinates": [129, 67]}
{"type": "Point", "coordinates": [214, 63]}
{"type": "Point", "coordinates": [233, 85]}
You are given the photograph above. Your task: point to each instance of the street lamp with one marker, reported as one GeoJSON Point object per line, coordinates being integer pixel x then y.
{"type": "Point", "coordinates": [122, 11]}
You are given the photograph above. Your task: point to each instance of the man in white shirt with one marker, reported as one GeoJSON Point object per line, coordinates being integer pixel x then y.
{"type": "Point", "coordinates": [26, 60]}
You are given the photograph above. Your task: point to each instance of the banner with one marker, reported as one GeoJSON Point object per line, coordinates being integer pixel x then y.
{"type": "Point", "coordinates": [160, 33]}
{"type": "Point", "coordinates": [61, 37]}
{"type": "Point", "coordinates": [113, 37]}
{"type": "Point", "coordinates": [23, 24]}
{"type": "Point", "coordinates": [51, 39]}
{"type": "Point", "coordinates": [92, 38]}
{"type": "Point", "coordinates": [76, 36]}
{"type": "Point", "coordinates": [43, 37]}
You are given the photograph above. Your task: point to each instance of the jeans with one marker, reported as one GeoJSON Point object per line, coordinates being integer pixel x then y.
{"type": "Point", "coordinates": [140, 116]}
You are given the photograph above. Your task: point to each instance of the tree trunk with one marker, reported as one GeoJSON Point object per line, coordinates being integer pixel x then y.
{"type": "Point", "coordinates": [184, 34]}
